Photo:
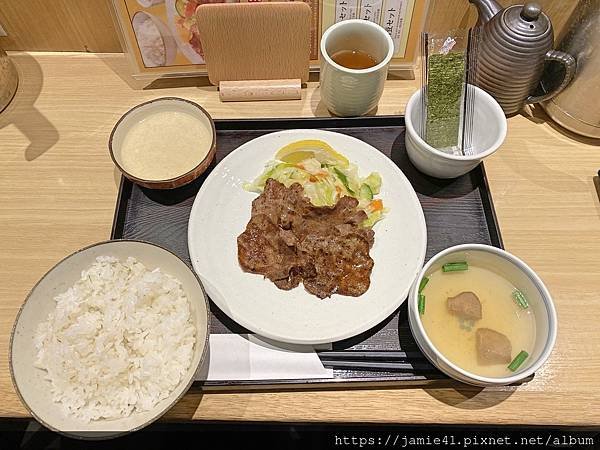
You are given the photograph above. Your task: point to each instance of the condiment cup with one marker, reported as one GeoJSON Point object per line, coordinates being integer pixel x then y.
{"type": "Point", "coordinates": [143, 110]}
{"type": "Point", "coordinates": [354, 92]}
{"type": "Point", "coordinates": [489, 131]}
{"type": "Point", "coordinates": [29, 381]}
{"type": "Point", "coordinates": [522, 277]}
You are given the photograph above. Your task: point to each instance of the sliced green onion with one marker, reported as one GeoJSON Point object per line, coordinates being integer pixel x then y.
{"type": "Point", "coordinates": [520, 299]}
{"type": "Point", "coordinates": [514, 365]}
{"type": "Point", "coordinates": [455, 266]}
{"type": "Point", "coordinates": [423, 283]}
{"type": "Point", "coordinates": [421, 304]}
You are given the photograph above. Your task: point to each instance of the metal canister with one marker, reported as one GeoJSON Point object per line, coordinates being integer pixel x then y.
{"type": "Point", "coordinates": [9, 80]}
{"type": "Point", "coordinates": [577, 107]}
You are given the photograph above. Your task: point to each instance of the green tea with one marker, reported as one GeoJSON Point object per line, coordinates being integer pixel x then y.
{"type": "Point", "coordinates": [354, 59]}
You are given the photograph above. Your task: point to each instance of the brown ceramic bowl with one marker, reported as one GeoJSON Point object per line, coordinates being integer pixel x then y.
{"type": "Point", "coordinates": [143, 110]}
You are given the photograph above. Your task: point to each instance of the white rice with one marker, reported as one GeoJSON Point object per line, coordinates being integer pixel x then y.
{"type": "Point", "coordinates": [119, 341]}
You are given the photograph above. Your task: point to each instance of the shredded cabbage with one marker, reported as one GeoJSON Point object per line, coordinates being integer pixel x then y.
{"type": "Point", "coordinates": [325, 183]}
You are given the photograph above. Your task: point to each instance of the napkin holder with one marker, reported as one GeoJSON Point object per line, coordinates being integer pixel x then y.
{"type": "Point", "coordinates": [256, 51]}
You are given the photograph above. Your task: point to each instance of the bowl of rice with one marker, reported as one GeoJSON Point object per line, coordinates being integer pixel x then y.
{"type": "Point", "coordinates": [109, 339]}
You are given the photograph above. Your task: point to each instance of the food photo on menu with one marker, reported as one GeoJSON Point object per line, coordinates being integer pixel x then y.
{"type": "Point", "coordinates": [299, 224]}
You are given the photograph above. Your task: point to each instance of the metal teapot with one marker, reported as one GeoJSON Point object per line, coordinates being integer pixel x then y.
{"type": "Point", "coordinates": [514, 45]}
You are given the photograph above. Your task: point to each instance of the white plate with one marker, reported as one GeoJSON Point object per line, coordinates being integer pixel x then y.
{"type": "Point", "coordinates": [221, 211]}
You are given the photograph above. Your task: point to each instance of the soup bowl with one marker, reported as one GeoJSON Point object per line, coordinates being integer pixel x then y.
{"type": "Point", "coordinates": [522, 277]}
{"type": "Point", "coordinates": [205, 149]}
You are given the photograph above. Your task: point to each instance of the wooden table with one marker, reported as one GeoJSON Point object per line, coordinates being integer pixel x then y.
{"type": "Point", "coordinates": [57, 194]}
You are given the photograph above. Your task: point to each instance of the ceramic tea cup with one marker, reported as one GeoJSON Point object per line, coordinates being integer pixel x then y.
{"type": "Point", "coordinates": [354, 92]}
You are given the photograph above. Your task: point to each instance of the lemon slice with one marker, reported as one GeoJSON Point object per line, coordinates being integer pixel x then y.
{"type": "Point", "coordinates": [298, 151]}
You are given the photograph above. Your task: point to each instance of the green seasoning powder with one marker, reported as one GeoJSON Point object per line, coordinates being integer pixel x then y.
{"type": "Point", "coordinates": [444, 91]}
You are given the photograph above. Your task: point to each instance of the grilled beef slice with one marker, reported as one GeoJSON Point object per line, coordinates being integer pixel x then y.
{"type": "Point", "coordinates": [289, 240]}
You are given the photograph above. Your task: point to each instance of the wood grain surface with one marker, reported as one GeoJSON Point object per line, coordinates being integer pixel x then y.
{"type": "Point", "coordinates": [87, 26]}
{"type": "Point", "coordinates": [448, 14]}
{"type": "Point", "coordinates": [234, 51]}
{"type": "Point", "coordinates": [58, 25]}
{"type": "Point", "coordinates": [58, 190]}
{"type": "Point", "coordinates": [255, 90]}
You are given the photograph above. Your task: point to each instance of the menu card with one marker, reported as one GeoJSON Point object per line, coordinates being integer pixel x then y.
{"type": "Point", "coordinates": [161, 36]}
{"type": "Point", "coordinates": [393, 15]}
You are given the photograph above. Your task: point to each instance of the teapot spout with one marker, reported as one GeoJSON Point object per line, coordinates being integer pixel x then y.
{"type": "Point", "coordinates": [487, 9]}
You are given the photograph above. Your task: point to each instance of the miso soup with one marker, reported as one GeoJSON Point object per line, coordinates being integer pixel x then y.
{"type": "Point", "coordinates": [472, 318]}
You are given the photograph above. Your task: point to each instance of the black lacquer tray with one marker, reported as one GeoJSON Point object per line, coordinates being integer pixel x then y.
{"type": "Point", "coordinates": [457, 211]}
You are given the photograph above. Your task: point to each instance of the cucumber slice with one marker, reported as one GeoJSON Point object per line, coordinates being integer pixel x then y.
{"type": "Point", "coordinates": [374, 182]}
{"type": "Point", "coordinates": [366, 192]}
{"type": "Point", "coordinates": [344, 179]}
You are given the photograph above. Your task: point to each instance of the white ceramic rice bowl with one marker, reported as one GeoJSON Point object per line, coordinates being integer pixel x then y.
{"type": "Point", "coordinates": [29, 382]}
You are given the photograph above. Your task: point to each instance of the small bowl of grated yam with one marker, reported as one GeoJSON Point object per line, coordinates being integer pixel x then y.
{"type": "Point", "coordinates": [109, 339]}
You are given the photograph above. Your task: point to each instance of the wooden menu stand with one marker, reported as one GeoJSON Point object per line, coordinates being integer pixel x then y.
{"type": "Point", "coordinates": [256, 51]}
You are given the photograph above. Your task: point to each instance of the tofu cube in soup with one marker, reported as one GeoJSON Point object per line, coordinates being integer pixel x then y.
{"type": "Point", "coordinates": [465, 305]}
{"type": "Point", "coordinates": [492, 347]}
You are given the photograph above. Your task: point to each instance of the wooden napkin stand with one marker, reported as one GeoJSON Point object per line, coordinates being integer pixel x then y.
{"type": "Point", "coordinates": [256, 51]}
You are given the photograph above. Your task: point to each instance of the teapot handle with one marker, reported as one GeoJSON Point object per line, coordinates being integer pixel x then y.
{"type": "Point", "coordinates": [570, 67]}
